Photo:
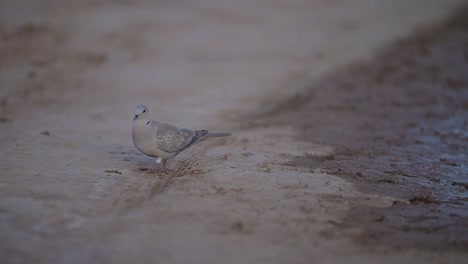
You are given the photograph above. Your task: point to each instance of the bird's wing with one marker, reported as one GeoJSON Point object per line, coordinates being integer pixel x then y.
{"type": "Point", "coordinates": [171, 138]}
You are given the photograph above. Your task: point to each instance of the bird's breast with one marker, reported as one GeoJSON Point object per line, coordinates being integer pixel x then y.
{"type": "Point", "coordinates": [143, 138]}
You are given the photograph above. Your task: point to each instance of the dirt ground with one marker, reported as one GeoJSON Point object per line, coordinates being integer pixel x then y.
{"type": "Point", "coordinates": [350, 123]}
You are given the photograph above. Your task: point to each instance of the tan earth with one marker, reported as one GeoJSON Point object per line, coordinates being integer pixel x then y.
{"type": "Point", "coordinates": [350, 123]}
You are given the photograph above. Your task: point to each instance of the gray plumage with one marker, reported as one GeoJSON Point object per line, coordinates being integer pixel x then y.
{"type": "Point", "coordinates": [164, 141]}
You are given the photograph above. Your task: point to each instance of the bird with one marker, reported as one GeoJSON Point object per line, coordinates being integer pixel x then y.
{"type": "Point", "coordinates": [164, 141]}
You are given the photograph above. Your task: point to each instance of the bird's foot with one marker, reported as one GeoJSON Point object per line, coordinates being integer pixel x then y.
{"type": "Point", "coordinates": [162, 165]}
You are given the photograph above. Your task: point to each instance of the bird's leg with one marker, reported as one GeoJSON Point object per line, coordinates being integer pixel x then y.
{"type": "Point", "coordinates": [164, 167]}
{"type": "Point", "coordinates": [158, 163]}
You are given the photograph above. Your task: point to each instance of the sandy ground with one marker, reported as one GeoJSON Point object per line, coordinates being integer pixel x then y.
{"type": "Point", "coordinates": [349, 121]}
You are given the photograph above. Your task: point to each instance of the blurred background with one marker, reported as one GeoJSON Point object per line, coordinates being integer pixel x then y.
{"type": "Point", "coordinates": [349, 121]}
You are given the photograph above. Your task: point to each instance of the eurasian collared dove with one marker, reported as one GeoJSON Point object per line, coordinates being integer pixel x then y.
{"type": "Point", "coordinates": [163, 141]}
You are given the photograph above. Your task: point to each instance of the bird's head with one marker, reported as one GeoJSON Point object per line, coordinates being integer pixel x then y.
{"type": "Point", "coordinates": [141, 111]}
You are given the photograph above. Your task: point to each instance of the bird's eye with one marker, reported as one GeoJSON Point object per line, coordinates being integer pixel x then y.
{"type": "Point", "coordinates": [144, 111]}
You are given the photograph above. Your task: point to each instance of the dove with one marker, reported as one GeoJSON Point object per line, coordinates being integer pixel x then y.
{"type": "Point", "coordinates": [164, 141]}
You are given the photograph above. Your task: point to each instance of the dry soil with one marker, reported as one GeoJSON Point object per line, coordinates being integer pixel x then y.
{"type": "Point", "coordinates": [349, 120]}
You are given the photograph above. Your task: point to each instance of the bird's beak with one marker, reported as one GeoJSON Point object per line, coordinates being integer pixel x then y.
{"type": "Point", "coordinates": [136, 116]}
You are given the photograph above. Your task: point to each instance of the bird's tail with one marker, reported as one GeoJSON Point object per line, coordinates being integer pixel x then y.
{"type": "Point", "coordinates": [206, 135]}
{"type": "Point", "coordinates": [218, 134]}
